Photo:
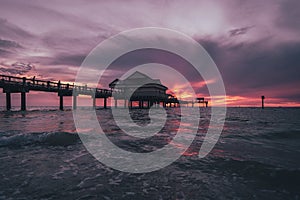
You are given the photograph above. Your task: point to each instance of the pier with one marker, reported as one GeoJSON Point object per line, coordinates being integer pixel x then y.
{"type": "Point", "coordinates": [23, 85]}
{"type": "Point", "coordinates": [152, 92]}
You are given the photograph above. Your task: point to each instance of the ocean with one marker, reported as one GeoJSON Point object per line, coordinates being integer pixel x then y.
{"type": "Point", "coordinates": [256, 157]}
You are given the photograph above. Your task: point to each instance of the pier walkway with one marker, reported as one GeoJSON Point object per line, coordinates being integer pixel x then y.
{"type": "Point", "coordinates": [23, 85]}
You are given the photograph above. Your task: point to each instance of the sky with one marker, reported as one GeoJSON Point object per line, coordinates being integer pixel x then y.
{"type": "Point", "coordinates": [255, 44]}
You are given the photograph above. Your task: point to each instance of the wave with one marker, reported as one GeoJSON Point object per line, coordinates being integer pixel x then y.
{"type": "Point", "coordinates": [270, 175]}
{"type": "Point", "coordinates": [44, 138]}
{"type": "Point", "coordinates": [266, 175]}
{"type": "Point", "coordinates": [236, 119]}
{"type": "Point", "coordinates": [274, 135]}
{"type": "Point", "coordinates": [292, 134]}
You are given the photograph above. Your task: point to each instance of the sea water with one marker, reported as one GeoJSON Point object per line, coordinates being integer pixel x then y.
{"type": "Point", "coordinates": [256, 157]}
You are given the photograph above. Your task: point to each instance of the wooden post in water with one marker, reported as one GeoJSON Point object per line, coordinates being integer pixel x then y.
{"type": "Point", "coordinates": [116, 103]}
{"type": "Point", "coordinates": [94, 101]}
{"type": "Point", "coordinates": [23, 100]}
{"type": "Point", "coordinates": [131, 104]}
{"type": "Point", "coordinates": [262, 102]}
{"type": "Point", "coordinates": [74, 101]}
{"type": "Point", "coordinates": [105, 102]}
{"type": "Point", "coordinates": [61, 102]}
{"type": "Point", "coordinates": [8, 101]}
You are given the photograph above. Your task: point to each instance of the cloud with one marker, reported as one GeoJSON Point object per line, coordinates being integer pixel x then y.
{"type": "Point", "coordinates": [5, 53]}
{"type": "Point", "coordinates": [9, 48]}
{"type": "Point", "coordinates": [11, 31]}
{"type": "Point", "coordinates": [240, 31]}
{"type": "Point", "coordinates": [251, 68]}
{"type": "Point", "coordinates": [17, 68]}
{"type": "Point", "coordinates": [68, 59]}
{"type": "Point", "coordinates": [255, 44]}
{"type": "Point", "coordinates": [289, 15]}
{"type": "Point", "coordinates": [9, 44]}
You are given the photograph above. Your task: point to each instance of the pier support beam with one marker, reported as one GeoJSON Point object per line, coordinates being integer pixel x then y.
{"type": "Point", "coordinates": [131, 105]}
{"type": "Point", "coordinates": [74, 102]}
{"type": "Point", "coordinates": [94, 102]}
{"type": "Point", "coordinates": [8, 101]}
{"type": "Point", "coordinates": [125, 102]}
{"type": "Point", "coordinates": [61, 102]}
{"type": "Point", "coordinates": [105, 103]}
{"type": "Point", "coordinates": [23, 100]}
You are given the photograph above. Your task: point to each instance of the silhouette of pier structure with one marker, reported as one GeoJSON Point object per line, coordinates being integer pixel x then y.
{"type": "Point", "coordinates": [12, 84]}
{"type": "Point", "coordinates": [146, 92]}
{"type": "Point", "coordinates": [149, 93]}
{"type": "Point", "coordinates": [139, 89]}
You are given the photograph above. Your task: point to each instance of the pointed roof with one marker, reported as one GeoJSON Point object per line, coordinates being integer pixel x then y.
{"type": "Point", "coordinates": [138, 75]}
{"type": "Point", "coordinates": [113, 84]}
{"type": "Point", "coordinates": [137, 78]}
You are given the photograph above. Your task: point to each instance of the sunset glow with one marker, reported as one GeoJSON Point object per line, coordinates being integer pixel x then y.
{"type": "Point", "coordinates": [255, 45]}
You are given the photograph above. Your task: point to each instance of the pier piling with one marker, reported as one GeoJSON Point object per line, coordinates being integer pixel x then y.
{"type": "Point", "coordinates": [23, 101]}
{"type": "Point", "coordinates": [94, 102]}
{"type": "Point", "coordinates": [74, 102]}
{"type": "Point", "coordinates": [61, 102]}
{"type": "Point", "coordinates": [8, 101]}
{"type": "Point", "coordinates": [105, 102]}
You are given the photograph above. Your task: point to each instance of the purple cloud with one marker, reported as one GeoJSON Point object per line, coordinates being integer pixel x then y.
{"type": "Point", "coordinates": [255, 44]}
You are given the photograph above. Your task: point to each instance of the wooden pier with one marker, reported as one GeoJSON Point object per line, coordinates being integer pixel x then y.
{"type": "Point", "coordinates": [149, 94]}
{"type": "Point", "coordinates": [12, 84]}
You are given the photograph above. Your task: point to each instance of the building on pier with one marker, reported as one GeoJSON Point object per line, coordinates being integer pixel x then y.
{"type": "Point", "coordinates": [141, 89]}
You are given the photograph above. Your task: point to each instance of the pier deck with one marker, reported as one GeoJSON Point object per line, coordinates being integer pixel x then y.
{"type": "Point", "coordinates": [23, 85]}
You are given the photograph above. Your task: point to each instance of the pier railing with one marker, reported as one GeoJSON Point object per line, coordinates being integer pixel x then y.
{"type": "Point", "coordinates": [13, 84]}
